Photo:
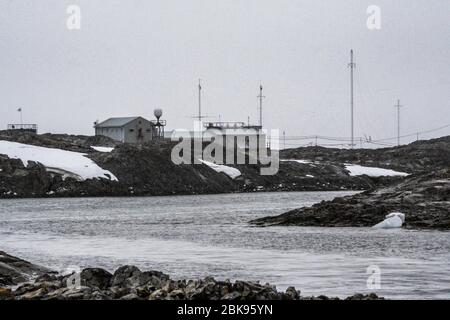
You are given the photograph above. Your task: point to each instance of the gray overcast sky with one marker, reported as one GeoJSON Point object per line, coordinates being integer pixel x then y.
{"type": "Point", "coordinates": [132, 56]}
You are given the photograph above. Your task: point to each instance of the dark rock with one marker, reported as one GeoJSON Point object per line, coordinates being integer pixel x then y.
{"type": "Point", "coordinates": [129, 283]}
{"type": "Point", "coordinates": [417, 157]}
{"type": "Point", "coordinates": [128, 276]}
{"type": "Point", "coordinates": [232, 296]}
{"type": "Point", "coordinates": [48, 277]}
{"type": "Point", "coordinates": [292, 293]}
{"type": "Point", "coordinates": [424, 199]}
{"type": "Point", "coordinates": [14, 270]}
{"type": "Point", "coordinates": [131, 296]}
{"type": "Point", "coordinates": [95, 277]}
{"type": "Point", "coordinates": [5, 294]}
{"type": "Point", "coordinates": [359, 296]}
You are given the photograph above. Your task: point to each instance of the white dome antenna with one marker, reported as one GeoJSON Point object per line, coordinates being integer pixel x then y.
{"type": "Point", "coordinates": [158, 113]}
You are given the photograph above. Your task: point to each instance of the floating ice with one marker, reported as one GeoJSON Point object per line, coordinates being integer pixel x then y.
{"type": "Point", "coordinates": [393, 220]}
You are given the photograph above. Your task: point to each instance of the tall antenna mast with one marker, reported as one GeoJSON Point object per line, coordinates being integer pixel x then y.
{"type": "Point", "coordinates": [398, 106]}
{"type": "Point", "coordinates": [261, 97]}
{"type": "Point", "coordinates": [352, 65]}
{"type": "Point", "coordinates": [199, 100]}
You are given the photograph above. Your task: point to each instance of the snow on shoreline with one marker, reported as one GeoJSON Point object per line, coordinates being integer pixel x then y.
{"type": "Point", "coordinates": [233, 173]}
{"type": "Point", "coordinates": [102, 149]}
{"type": "Point", "coordinates": [357, 170]}
{"type": "Point", "coordinates": [68, 163]}
{"type": "Point", "coordinates": [297, 160]}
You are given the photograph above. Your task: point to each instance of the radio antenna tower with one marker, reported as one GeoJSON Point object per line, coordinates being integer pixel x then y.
{"type": "Point", "coordinates": [352, 66]}
{"type": "Point", "coordinates": [199, 100]}
{"type": "Point", "coordinates": [398, 106]}
{"type": "Point", "coordinates": [261, 97]}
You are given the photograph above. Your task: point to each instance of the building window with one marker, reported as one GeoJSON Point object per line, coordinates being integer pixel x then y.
{"type": "Point", "coordinates": [131, 130]}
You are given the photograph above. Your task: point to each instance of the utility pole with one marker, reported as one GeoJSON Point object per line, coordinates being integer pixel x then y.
{"type": "Point", "coordinates": [284, 140]}
{"type": "Point", "coordinates": [352, 66]}
{"type": "Point", "coordinates": [199, 101]}
{"type": "Point", "coordinates": [260, 96]}
{"type": "Point", "coordinates": [398, 106]}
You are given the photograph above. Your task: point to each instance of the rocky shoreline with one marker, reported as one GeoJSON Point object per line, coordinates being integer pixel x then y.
{"type": "Point", "coordinates": [21, 280]}
{"type": "Point", "coordinates": [147, 170]}
{"type": "Point", "coordinates": [424, 199]}
{"type": "Point", "coordinates": [417, 157]}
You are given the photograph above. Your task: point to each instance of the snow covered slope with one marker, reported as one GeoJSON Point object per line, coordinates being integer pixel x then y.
{"type": "Point", "coordinates": [68, 163]}
{"type": "Point", "coordinates": [357, 170]}
{"type": "Point", "coordinates": [233, 173]}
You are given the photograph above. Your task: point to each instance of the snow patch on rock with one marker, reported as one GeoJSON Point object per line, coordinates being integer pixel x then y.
{"type": "Point", "coordinates": [298, 161]}
{"type": "Point", "coordinates": [102, 149]}
{"type": "Point", "coordinates": [69, 163]}
{"type": "Point", "coordinates": [357, 170]}
{"type": "Point", "coordinates": [233, 173]}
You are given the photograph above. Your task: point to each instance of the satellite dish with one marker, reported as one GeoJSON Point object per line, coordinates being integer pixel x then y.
{"type": "Point", "coordinates": [158, 113]}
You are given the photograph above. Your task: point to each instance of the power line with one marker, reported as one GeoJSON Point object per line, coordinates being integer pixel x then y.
{"type": "Point", "coordinates": [417, 132]}
{"type": "Point", "coordinates": [329, 141]}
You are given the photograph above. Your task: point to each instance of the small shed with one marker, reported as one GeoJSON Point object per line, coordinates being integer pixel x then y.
{"type": "Point", "coordinates": [135, 130]}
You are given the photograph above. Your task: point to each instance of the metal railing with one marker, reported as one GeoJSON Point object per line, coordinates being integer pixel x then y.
{"type": "Point", "coordinates": [23, 126]}
{"type": "Point", "coordinates": [229, 125]}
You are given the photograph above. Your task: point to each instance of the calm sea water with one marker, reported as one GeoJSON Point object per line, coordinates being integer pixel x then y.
{"type": "Point", "coordinates": [195, 236]}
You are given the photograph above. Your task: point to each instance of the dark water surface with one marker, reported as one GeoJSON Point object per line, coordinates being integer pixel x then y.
{"type": "Point", "coordinates": [195, 236]}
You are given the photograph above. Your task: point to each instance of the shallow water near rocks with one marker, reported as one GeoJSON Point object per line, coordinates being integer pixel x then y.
{"type": "Point", "coordinates": [196, 236]}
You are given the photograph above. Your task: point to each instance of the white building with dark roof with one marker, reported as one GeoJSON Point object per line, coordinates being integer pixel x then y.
{"type": "Point", "coordinates": [134, 130]}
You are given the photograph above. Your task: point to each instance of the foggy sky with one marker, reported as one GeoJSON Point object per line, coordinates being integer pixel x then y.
{"type": "Point", "coordinates": [133, 56]}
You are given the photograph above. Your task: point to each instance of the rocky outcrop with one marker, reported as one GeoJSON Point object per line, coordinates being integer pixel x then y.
{"type": "Point", "coordinates": [77, 143]}
{"type": "Point", "coordinates": [424, 199]}
{"type": "Point", "coordinates": [317, 176]}
{"type": "Point", "coordinates": [14, 270]}
{"type": "Point", "coordinates": [130, 283]}
{"type": "Point", "coordinates": [148, 170]}
{"type": "Point", "coordinates": [417, 157]}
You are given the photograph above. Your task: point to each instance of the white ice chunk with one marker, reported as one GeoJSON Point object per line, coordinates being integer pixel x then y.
{"type": "Point", "coordinates": [393, 220]}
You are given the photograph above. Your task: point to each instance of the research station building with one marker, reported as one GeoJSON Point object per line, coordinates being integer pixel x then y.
{"type": "Point", "coordinates": [134, 130]}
